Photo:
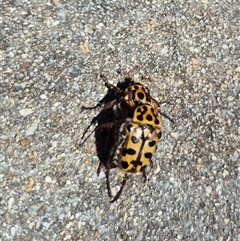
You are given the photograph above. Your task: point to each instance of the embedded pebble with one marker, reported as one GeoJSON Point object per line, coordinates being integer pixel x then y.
{"type": "Point", "coordinates": [208, 189]}
{"type": "Point", "coordinates": [48, 179]}
{"type": "Point", "coordinates": [25, 112]}
{"type": "Point", "coordinates": [164, 50]}
{"type": "Point", "coordinates": [174, 135]}
{"type": "Point", "coordinates": [74, 71]}
{"type": "Point", "coordinates": [230, 98]}
{"type": "Point", "coordinates": [29, 185]}
{"type": "Point", "coordinates": [43, 97]}
{"type": "Point", "coordinates": [32, 129]}
{"type": "Point", "coordinates": [24, 56]}
{"type": "Point", "coordinates": [10, 202]}
{"type": "Point", "coordinates": [13, 231]}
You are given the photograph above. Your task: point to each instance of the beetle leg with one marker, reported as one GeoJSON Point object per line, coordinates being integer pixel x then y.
{"type": "Point", "coordinates": [108, 183]}
{"type": "Point", "coordinates": [120, 190]}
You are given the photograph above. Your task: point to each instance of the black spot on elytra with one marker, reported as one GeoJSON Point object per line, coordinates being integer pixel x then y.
{"type": "Point", "coordinates": [152, 143]}
{"type": "Point", "coordinates": [159, 134]}
{"type": "Point", "coordinates": [140, 117]}
{"type": "Point", "coordinates": [136, 87]}
{"type": "Point", "coordinates": [144, 109]}
{"type": "Point", "coordinates": [148, 155]}
{"type": "Point", "coordinates": [157, 122]}
{"type": "Point", "coordinates": [124, 164]}
{"type": "Point", "coordinates": [134, 139]}
{"type": "Point", "coordinates": [138, 110]}
{"type": "Point", "coordinates": [149, 117]}
{"type": "Point", "coordinates": [136, 163]}
{"type": "Point", "coordinates": [128, 151]}
{"type": "Point", "coordinates": [140, 96]}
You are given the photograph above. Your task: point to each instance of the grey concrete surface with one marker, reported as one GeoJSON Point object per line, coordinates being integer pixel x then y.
{"type": "Point", "coordinates": [52, 53]}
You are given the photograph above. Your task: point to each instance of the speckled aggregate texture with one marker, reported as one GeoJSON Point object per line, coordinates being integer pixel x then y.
{"type": "Point", "coordinates": [52, 53]}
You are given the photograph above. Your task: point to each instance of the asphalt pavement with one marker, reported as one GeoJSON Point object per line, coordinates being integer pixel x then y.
{"type": "Point", "coordinates": [52, 54]}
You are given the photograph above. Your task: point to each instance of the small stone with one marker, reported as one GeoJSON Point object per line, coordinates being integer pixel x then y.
{"type": "Point", "coordinates": [75, 86]}
{"type": "Point", "coordinates": [210, 61]}
{"type": "Point", "coordinates": [73, 71]}
{"type": "Point", "coordinates": [179, 237]}
{"type": "Point", "coordinates": [148, 27]}
{"type": "Point", "coordinates": [32, 129]}
{"type": "Point", "coordinates": [157, 170]}
{"type": "Point", "coordinates": [214, 158]}
{"type": "Point", "coordinates": [95, 234]}
{"type": "Point", "coordinates": [215, 226]}
{"type": "Point", "coordinates": [10, 202]}
{"type": "Point", "coordinates": [224, 46]}
{"type": "Point", "coordinates": [225, 173]}
{"type": "Point", "coordinates": [208, 189]}
{"type": "Point", "coordinates": [198, 166]}
{"type": "Point", "coordinates": [174, 134]}
{"type": "Point", "coordinates": [24, 56]}
{"type": "Point", "coordinates": [25, 112]}
{"type": "Point", "coordinates": [229, 71]}
{"type": "Point", "coordinates": [30, 225]}
{"type": "Point", "coordinates": [53, 115]}
{"type": "Point", "coordinates": [180, 58]}
{"type": "Point", "coordinates": [219, 189]}
{"type": "Point", "coordinates": [8, 70]}
{"type": "Point", "coordinates": [237, 69]}
{"type": "Point", "coordinates": [54, 144]}
{"type": "Point", "coordinates": [223, 86]}
{"type": "Point", "coordinates": [55, 23]}
{"type": "Point", "coordinates": [94, 177]}
{"type": "Point", "coordinates": [68, 237]}
{"type": "Point", "coordinates": [164, 50]}
{"type": "Point", "coordinates": [171, 180]}
{"type": "Point", "coordinates": [204, 1]}
{"type": "Point", "coordinates": [13, 231]}
{"type": "Point", "coordinates": [23, 142]}
{"type": "Point", "coordinates": [230, 98]}
{"type": "Point", "coordinates": [84, 47]}
{"type": "Point", "coordinates": [48, 179]}
{"type": "Point", "coordinates": [194, 61]}
{"type": "Point", "coordinates": [56, 2]}
{"type": "Point", "coordinates": [226, 221]}
{"type": "Point", "coordinates": [11, 54]}
{"type": "Point", "coordinates": [111, 46]}
{"type": "Point", "coordinates": [39, 223]}
{"type": "Point", "coordinates": [235, 156]}
{"type": "Point", "coordinates": [79, 225]}
{"type": "Point", "coordinates": [43, 97]}
{"type": "Point", "coordinates": [101, 174]}
{"type": "Point", "coordinates": [29, 185]}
